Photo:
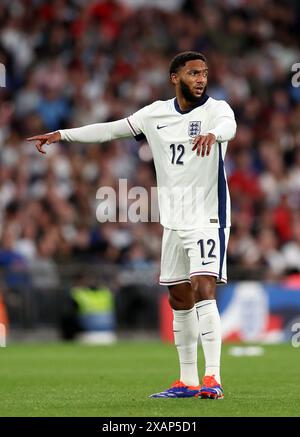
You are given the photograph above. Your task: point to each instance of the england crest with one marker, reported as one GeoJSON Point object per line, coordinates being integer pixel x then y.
{"type": "Point", "coordinates": [194, 128]}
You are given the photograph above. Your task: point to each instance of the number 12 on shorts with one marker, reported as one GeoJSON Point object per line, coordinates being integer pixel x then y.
{"type": "Point", "coordinates": [207, 248]}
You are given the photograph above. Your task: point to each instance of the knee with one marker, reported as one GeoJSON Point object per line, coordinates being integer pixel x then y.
{"type": "Point", "coordinates": [181, 299]}
{"type": "Point", "coordinates": [204, 287]}
{"type": "Point", "coordinates": [181, 304]}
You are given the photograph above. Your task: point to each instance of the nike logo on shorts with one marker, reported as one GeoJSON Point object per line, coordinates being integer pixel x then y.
{"type": "Point", "coordinates": [205, 263]}
{"type": "Point", "coordinates": [161, 127]}
{"type": "Point", "coordinates": [204, 333]}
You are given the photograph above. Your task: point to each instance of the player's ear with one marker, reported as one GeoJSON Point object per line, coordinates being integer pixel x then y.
{"type": "Point", "coordinates": [174, 78]}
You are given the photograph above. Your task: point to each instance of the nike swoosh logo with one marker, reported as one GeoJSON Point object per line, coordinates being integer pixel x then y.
{"type": "Point", "coordinates": [205, 263]}
{"type": "Point", "coordinates": [204, 333]}
{"type": "Point", "coordinates": [161, 127]}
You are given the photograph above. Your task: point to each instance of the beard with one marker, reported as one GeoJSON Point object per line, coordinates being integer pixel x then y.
{"type": "Point", "coordinates": [188, 95]}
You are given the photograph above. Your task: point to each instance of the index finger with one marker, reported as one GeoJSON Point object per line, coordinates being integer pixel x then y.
{"type": "Point", "coordinates": [37, 137]}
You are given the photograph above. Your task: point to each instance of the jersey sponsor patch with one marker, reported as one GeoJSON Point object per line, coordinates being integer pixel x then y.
{"type": "Point", "coordinates": [194, 128]}
{"type": "Point", "coordinates": [213, 221]}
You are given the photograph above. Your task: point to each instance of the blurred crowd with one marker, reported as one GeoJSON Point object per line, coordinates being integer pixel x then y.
{"type": "Point", "coordinates": [75, 62]}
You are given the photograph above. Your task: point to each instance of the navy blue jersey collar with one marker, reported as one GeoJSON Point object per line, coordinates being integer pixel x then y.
{"type": "Point", "coordinates": [201, 102]}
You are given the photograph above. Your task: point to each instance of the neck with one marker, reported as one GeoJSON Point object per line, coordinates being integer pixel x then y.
{"type": "Point", "coordinates": [187, 105]}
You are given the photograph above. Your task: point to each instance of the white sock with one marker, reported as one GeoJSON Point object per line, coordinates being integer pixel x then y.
{"type": "Point", "coordinates": [211, 336]}
{"type": "Point", "coordinates": [185, 326]}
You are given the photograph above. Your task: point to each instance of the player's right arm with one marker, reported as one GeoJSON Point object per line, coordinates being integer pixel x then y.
{"type": "Point", "coordinates": [93, 133]}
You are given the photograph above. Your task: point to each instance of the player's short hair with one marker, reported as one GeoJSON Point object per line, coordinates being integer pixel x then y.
{"type": "Point", "coordinates": [183, 57]}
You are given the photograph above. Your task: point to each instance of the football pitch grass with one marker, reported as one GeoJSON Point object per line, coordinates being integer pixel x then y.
{"type": "Point", "coordinates": [72, 380]}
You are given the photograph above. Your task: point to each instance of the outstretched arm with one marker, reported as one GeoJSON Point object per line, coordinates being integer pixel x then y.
{"type": "Point", "coordinates": [93, 133]}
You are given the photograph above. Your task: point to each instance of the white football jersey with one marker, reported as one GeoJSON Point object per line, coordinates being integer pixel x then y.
{"type": "Point", "coordinates": [192, 190]}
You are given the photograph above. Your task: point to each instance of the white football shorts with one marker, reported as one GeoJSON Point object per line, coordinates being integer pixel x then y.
{"type": "Point", "coordinates": [193, 252]}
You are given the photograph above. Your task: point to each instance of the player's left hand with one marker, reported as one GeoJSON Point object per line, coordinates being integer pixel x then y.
{"type": "Point", "coordinates": [203, 144]}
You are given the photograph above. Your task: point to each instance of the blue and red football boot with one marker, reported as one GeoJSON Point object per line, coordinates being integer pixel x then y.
{"type": "Point", "coordinates": [210, 389]}
{"type": "Point", "coordinates": [178, 390]}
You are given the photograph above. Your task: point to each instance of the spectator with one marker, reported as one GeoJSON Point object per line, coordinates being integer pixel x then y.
{"type": "Point", "coordinates": [73, 63]}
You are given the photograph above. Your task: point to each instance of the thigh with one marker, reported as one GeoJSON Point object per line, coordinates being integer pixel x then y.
{"type": "Point", "coordinates": [203, 287]}
{"type": "Point", "coordinates": [181, 297]}
{"type": "Point", "coordinates": [175, 265]}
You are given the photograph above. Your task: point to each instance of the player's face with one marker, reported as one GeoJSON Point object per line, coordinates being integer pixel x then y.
{"type": "Point", "coordinates": [191, 80]}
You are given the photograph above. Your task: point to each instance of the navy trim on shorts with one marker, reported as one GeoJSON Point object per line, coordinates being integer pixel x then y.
{"type": "Point", "coordinates": [179, 281]}
{"type": "Point", "coordinates": [222, 250]}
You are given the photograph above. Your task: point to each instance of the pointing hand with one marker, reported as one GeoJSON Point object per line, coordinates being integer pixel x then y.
{"type": "Point", "coordinates": [50, 138]}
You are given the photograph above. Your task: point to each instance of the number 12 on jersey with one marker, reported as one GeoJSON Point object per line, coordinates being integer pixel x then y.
{"type": "Point", "coordinates": [177, 153]}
